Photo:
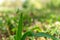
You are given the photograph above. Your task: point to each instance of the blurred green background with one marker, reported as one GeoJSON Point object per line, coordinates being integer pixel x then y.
{"type": "Point", "coordinates": [44, 14]}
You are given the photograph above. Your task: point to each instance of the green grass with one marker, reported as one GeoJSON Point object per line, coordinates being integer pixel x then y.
{"type": "Point", "coordinates": [19, 35]}
{"type": "Point", "coordinates": [19, 30]}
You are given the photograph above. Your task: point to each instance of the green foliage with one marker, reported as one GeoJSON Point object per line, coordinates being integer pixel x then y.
{"type": "Point", "coordinates": [22, 19]}
{"type": "Point", "coordinates": [41, 34]}
{"type": "Point", "coordinates": [19, 28]}
{"type": "Point", "coordinates": [29, 33]}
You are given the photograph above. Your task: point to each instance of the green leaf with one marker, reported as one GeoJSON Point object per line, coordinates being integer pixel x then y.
{"type": "Point", "coordinates": [29, 33]}
{"type": "Point", "coordinates": [19, 29]}
{"type": "Point", "coordinates": [41, 34]}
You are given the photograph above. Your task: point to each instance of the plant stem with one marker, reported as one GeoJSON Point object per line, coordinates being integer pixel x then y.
{"type": "Point", "coordinates": [19, 29]}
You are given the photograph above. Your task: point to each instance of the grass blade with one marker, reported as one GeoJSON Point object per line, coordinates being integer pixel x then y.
{"type": "Point", "coordinates": [19, 29]}
{"type": "Point", "coordinates": [29, 33]}
{"type": "Point", "coordinates": [41, 34]}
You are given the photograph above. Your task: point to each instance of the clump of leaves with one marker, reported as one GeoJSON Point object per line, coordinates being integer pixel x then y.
{"type": "Point", "coordinates": [19, 35]}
